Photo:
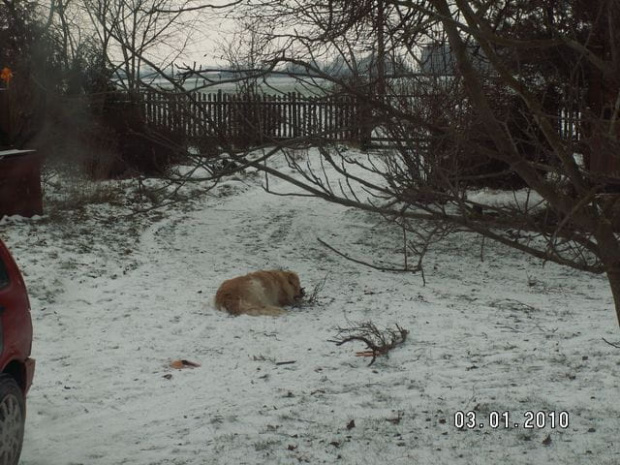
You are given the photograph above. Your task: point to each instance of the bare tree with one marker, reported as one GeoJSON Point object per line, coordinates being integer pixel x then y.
{"type": "Point", "coordinates": [527, 99]}
{"type": "Point", "coordinates": [498, 119]}
{"type": "Point", "coordinates": [132, 31]}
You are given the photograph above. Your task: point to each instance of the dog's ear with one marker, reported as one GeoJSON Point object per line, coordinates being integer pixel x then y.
{"type": "Point", "coordinates": [292, 278]}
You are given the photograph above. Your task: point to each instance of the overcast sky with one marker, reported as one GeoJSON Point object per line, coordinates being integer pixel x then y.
{"type": "Point", "coordinates": [211, 33]}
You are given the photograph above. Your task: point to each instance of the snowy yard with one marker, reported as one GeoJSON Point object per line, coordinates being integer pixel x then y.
{"type": "Point", "coordinates": [116, 298]}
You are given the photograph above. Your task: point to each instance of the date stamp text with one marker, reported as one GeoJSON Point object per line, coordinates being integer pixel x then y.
{"type": "Point", "coordinates": [507, 420]}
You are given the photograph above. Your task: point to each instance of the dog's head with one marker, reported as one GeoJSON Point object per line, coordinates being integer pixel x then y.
{"type": "Point", "coordinates": [297, 290]}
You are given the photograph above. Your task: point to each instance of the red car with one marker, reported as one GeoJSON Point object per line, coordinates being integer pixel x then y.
{"type": "Point", "coordinates": [16, 366]}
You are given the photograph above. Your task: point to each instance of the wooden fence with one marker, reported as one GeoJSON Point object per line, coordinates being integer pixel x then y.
{"type": "Point", "coordinates": [260, 118]}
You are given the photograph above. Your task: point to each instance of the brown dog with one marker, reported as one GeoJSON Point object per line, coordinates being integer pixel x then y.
{"type": "Point", "coordinates": [259, 293]}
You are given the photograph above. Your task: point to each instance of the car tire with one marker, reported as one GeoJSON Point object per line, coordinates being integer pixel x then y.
{"type": "Point", "coordinates": [12, 420]}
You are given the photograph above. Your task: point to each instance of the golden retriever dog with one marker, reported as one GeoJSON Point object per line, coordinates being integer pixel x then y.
{"type": "Point", "coordinates": [259, 293]}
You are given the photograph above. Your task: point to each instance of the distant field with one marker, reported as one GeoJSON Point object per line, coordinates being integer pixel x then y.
{"type": "Point", "coordinates": [271, 85]}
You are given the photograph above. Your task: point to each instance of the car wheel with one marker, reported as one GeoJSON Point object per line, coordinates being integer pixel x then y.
{"type": "Point", "coordinates": [12, 420]}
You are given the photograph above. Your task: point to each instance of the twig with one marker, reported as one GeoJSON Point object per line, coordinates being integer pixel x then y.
{"type": "Point", "coordinates": [405, 245]}
{"type": "Point", "coordinates": [617, 346]}
{"type": "Point", "coordinates": [360, 262]}
{"type": "Point", "coordinates": [313, 296]}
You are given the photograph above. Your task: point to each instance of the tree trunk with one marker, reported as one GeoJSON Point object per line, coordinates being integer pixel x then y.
{"type": "Point", "coordinates": [613, 276]}
{"type": "Point", "coordinates": [381, 50]}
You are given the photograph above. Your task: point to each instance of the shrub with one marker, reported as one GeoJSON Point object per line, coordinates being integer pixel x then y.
{"type": "Point", "coordinates": [132, 146]}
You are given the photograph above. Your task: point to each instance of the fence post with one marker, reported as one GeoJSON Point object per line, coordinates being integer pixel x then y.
{"type": "Point", "coordinates": [221, 126]}
{"type": "Point", "coordinates": [295, 122]}
{"type": "Point", "coordinates": [364, 121]}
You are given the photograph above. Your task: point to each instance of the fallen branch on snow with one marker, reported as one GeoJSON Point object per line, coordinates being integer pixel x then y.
{"type": "Point", "coordinates": [378, 342]}
{"type": "Point", "coordinates": [617, 346]}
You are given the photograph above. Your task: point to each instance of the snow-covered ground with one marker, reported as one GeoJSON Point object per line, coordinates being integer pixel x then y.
{"type": "Point", "coordinates": [116, 298]}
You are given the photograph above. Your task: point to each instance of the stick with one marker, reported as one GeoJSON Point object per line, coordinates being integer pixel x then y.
{"type": "Point", "coordinates": [360, 262]}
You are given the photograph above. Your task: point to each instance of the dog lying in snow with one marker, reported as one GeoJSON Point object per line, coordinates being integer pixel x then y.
{"type": "Point", "coordinates": [259, 293]}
